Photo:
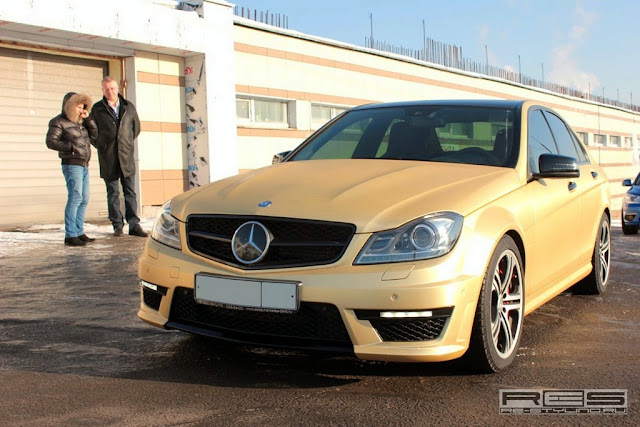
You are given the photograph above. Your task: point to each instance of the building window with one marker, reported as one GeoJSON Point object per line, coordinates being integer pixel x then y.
{"type": "Point", "coordinates": [321, 114]}
{"type": "Point", "coordinates": [262, 111]}
{"type": "Point", "coordinates": [464, 130]}
{"type": "Point", "coordinates": [243, 109]}
{"type": "Point", "coordinates": [584, 137]}
{"type": "Point", "coordinates": [600, 140]}
{"type": "Point", "coordinates": [615, 141]}
{"type": "Point", "coordinates": [628, 142]}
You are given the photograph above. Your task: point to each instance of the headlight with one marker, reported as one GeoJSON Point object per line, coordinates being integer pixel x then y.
{"type": "Point", "coordinates": [428, 237]}
{"type": "Point", "coordinates": [166, 228]}
{"type": "Point", "coordinates": [630, 198]}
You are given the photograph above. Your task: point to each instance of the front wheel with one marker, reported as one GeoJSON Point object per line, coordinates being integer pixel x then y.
{"type": "Point", "coordinates": [498, 322]}
{"type": "Point", "coordinates": [596, 281]}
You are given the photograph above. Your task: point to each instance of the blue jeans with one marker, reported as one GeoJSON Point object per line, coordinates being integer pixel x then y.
{"type": "Point", "coordinates": [77, 179]}
{"type": "Point", "coordinates": [130, 202]}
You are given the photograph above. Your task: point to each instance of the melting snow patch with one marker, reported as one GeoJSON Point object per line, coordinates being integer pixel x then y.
{"type": "Point", "coordinates": [52, 235]}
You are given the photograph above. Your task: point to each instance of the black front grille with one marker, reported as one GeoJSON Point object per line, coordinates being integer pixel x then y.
{"type": "Point", "coordinates": [314, 325]}
{"type": "Point", "coordinates": [295, 242]}
{"type": "Point", "coordinates": [151, 298]}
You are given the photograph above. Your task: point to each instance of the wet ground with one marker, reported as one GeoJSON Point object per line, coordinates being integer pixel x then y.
{"type": "Point", "coordinates": [73, 352]}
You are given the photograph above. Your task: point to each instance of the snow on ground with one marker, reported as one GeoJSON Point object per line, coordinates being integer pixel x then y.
{"type": "Point", "coordinates": [40, 236]}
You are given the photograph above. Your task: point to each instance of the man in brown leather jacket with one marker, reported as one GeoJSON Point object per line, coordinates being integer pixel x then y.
{"type": "Point", "coordinates": [118, 127]}
{"type": "Point", "coordinates": [71, 134]}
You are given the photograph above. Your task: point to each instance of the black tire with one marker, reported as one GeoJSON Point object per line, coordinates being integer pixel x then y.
{"type": "Point", "coordinates": [628, 229]}
{"type": "Point", "coordinates": [596, 282]}
{"type": "Point", "coordinates": [497, 326]}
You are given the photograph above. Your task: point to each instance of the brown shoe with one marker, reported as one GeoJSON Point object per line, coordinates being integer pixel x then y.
{"type": "Point", "coordinates": [86, 238]}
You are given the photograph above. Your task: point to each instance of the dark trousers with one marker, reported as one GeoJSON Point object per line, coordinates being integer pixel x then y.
{"type": "Point", "coordinates": [130, 202]}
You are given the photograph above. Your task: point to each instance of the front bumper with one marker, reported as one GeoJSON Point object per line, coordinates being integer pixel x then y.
{"type": "Point", "coordinates": [331, 297]}
{"type": "Point", "coordinates": [631, 214]}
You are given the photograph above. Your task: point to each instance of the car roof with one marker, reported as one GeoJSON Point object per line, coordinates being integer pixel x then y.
{"type": "Point", "coordinates": [491, 103]}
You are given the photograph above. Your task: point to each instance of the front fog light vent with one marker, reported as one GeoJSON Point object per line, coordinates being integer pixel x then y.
{"type": "Point", "coordinates": [152, 294]}
{"type": "Point", "coordinates": [407, 326]}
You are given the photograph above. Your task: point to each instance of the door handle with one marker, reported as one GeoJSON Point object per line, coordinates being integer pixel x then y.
{"type": "Point", "coordinates": [572, 186]}
{"type": "Point", "coordinates": [594, 174]}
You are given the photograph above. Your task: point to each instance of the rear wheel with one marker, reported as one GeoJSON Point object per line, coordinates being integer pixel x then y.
{"type": "Point", "coordinates": [498, 322]}
{"type": "Point", "coordinates": [596, 281]}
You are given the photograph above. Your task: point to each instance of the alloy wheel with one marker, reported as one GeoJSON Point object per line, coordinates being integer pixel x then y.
{"type": "Point", "coordinates": [506, 304]}
{"type": "Point", "coordinates": [604, 251]}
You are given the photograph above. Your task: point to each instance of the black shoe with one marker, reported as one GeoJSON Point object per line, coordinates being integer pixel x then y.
{"type": "Point", "coordinates": [136, 230]}
{"type": "Point", "coordinates": [118, 232]}
{"type": "Point", "coordinates": [74, 241]}
{"type": "Point", "coordinates": [86, 238]}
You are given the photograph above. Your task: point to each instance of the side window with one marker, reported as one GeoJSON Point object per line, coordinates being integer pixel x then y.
{"type": "Point", "coordinates": [540, 139]}
{"type": "Point", "coordinates": [566, 147]}
{"type": "Point", "coordinates": [582, 152]}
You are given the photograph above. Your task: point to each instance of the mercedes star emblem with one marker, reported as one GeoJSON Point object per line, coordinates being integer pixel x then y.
{"type": "Point", "coordinates": [250, 242]}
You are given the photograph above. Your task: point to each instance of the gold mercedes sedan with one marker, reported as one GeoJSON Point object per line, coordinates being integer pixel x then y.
{"type": "Point", "coordinates": [410, 232]}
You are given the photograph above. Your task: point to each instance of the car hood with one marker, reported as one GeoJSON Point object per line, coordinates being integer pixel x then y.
{"type": "Point", "coordinates": [372, 194]}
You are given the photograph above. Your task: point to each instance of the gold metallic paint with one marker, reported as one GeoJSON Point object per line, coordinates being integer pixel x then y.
{"type": "Point", "coordinates": [378, 195]}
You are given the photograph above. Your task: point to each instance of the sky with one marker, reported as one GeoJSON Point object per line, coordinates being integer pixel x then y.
{"type": "Point", "coordinates": [577, 43]}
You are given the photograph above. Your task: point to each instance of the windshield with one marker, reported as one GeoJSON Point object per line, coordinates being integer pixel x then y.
{"type": "Point", "coordinates": [455, 134]}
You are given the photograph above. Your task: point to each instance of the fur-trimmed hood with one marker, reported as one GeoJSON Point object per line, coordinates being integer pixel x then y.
{"type": "Point", "coordinates": [71, 138]}
{"type": "Point", "coordinates": [71, 101]}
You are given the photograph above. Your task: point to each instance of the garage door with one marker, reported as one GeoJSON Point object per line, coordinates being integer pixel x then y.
{"type": "Point", "coordinates": [32, 85]}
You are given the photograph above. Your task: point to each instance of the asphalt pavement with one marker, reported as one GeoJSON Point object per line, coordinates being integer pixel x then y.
{"type": "Point", "coordinates": [73, 352]}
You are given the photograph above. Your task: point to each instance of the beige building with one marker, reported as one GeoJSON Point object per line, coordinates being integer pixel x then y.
{"type": "Point", "coordinates": [217, 95]}
{"type": "Point", "coordinates": [312, 79]}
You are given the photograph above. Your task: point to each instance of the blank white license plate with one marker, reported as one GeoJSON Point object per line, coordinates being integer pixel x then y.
{"type": "Point", "coordinates": [241, 293]}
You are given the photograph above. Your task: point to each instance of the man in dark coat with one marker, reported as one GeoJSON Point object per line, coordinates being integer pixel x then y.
{"type": "Point", "coordinates": [118, 127]}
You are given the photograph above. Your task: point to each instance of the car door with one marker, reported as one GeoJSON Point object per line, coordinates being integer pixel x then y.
{"type": "Point", "coordinates": [587, 189]}
{"type": "Point", "coordinates": [556, 206]}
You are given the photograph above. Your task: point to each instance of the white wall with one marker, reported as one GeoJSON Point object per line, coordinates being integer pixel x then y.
{"type": "Point", "coordinates": [278, 64]}
{"type": "Point", "coordinates": [120, 27]}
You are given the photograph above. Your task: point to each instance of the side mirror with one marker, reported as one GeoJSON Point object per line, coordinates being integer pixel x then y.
{"type": "Point", "coordinates": [278, 158]}
{"type": "Point", "coordinates": [557, 166]}
{"type": "Point", "coordinates": [626, 183]}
